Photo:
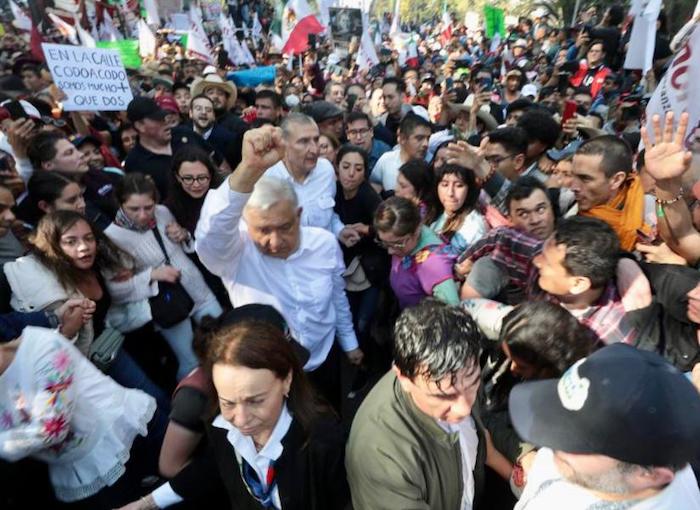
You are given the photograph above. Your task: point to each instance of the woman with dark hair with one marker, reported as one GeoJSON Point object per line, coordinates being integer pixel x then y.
{"type": "Point", "coordinates": [159, 246]}
{"type": "Point", "coordinates": [367, 264]}
{"type": "Point", "coordinates": [421, 263]}
{"type": "Point", "coordinates": [274, 445]}
{"type": "Point", "coordinates": [50, 191]}
{"type": "Point", "coordinates": [460, 222]}
{"type": "Point", "coordinates": [71, 259]}
{"type": "Point", "coordinates": [439, 156]}
{"type": "Point", "coordinates": [416, 183]}
{"type": "Point", "coordinates": [193, 175]}
{"type": "Point", "coordinates": [538, 340]}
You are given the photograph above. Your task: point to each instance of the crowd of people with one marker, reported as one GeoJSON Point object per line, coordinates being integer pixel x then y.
{"type": "Point", "coordinates": [463, 280]}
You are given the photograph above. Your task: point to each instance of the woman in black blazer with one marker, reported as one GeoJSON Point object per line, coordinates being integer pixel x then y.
{"type": "Point", "coordinates": [273, 445]}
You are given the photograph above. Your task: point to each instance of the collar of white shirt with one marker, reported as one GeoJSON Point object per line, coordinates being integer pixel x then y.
{"type": "Point", "coordinates": [244, 444]}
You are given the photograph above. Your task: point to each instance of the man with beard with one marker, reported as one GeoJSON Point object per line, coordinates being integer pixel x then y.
{"type": "Point", "coordinates": [617, 431]}
{"type": "Point", "coordinates": [223, 94]}
{"type": "Point", "coordinates": [204, 124]}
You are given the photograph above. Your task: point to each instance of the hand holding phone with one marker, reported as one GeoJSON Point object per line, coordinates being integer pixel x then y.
{"type": "Point", "coordinates": [569, 111]}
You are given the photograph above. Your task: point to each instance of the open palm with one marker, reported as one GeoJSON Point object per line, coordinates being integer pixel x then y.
{"type": "Point", "coordinates": [667, 158]}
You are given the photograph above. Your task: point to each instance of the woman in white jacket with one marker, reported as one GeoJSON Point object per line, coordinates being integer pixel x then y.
{"type": "Point", "coordinates": [132, 231]}
{"type": "Point", "coordinates": [58, 408]}
{"type": "Point", "coordinates": [72, 259]}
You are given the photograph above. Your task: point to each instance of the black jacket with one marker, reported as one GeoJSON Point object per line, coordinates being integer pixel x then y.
{"type": "Point", "coordinates": [310, 474]}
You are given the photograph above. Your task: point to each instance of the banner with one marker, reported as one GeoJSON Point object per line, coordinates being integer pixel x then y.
{"type": "Point", "coordinates": [494, 20]}
{"type": "Point", "coordinates": [640, 52]}
{"type": "Point", "coordinates": [253, 77]}
{"type": "Point", "coordinates": [198, 45]}
{"type": "Point", "coordinates": [93, 79]}
{"type": "Point", "coordinates": [677, 91]}
{"type": "Point", "coordinates": [128, 50]}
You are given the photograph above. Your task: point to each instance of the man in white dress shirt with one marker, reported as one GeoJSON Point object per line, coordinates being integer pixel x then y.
{"type": "Point", "coordinates": [271, 258]}
{"type": "Point", "coordinates": [312, 178]}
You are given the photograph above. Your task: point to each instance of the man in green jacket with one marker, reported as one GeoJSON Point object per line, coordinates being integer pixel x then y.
{"type": "Point", "coordinates": [414, 443]}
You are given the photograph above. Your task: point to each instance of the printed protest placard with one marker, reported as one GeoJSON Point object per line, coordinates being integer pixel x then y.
{"type": "Point", "coordinates": [92, 78]}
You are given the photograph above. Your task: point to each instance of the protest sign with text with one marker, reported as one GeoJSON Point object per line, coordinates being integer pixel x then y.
{"type": "Point", "coordinates": [92, 78]}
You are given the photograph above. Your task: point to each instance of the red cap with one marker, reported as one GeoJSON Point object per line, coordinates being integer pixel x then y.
{"type": "Point", "coordinates": [167, 102]}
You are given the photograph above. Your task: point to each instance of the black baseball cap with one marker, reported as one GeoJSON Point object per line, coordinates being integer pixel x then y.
{"type": "Point", "coordinates": [268, 314]}
{"type": "Point", "coordinates": [144, 108]}
{"type": "Point", "coordinates": [621, 402]}
{"type": "Point", "coordinates": [323, 110]}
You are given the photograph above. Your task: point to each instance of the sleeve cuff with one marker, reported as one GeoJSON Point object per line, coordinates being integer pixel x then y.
{"type": "Point", "coordinates": [164, 496]}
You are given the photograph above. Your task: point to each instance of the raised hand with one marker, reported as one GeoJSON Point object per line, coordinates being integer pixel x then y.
{"type": "Point", "coordinates": [667, 158]}
{"type": "Point", "coordinates": [262, 148]}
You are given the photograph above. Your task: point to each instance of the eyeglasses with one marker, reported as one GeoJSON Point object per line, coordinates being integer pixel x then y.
{"type": "Point", "coordinates": [188, 179]}
{"type": "Point", "coordinates": [392, 245]}
{"type": "Point", "coordinates": [357, 132]}
{"type": "Point", "coordinates": [496, 160]}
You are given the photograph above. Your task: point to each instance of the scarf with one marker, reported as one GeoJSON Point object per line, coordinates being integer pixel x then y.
{"type": "Point", "coordinates": [624, 213]}
{"type": "Point", "coordinates": [122, 220]}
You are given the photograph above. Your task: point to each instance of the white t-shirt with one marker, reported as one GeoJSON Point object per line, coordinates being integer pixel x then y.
{"type": "Point", "coordinates": [468, 446]}
{"type": "Point", "coordinates": [547, 490]}
{"type": "Point", "coordinates": [386, 170]}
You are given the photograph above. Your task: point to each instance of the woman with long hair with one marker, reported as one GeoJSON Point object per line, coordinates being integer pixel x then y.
{"type": "Point", "coordinates": [460, 222]}
{"type": "Point", "coordinates": [273, 445]}
{"type": "Point", "coordinates": [71, 259]}
{"type": "Point", "coordinates": [193, 175]}
{"type": "Point", "coordinates": [416, 183]}
{"type": "Point", "coordinates": [139, 229]}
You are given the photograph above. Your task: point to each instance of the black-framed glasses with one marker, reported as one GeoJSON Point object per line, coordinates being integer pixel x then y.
{"type": "Point", "coordinates": [497, 160]}
{"type": "Point", "coordinates": [189, 180]}
{"type": "Point", "coordinates": [393, 245]}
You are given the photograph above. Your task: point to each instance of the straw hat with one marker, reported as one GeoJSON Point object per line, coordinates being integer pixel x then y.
{"type": "Point", "coordinates": [214, 80]}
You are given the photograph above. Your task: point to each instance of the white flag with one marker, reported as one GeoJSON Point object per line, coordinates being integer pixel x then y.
{"type": "Point", "coordinates": [640, 52]}
{"type": "Point", "coordinates": [198, 44]}
{"type": "Point", "coordinates": [249, 58]}
{"type": "Point", "coordinates": [229, 40]}
{"type": "Point", "coordinates": [107, 31]}
{"type": "Point", "coordinates": [678, 91]}
{"type": "Point", "coordinates": [66, 29]}
{"type": "Point", "coordinates": [85, 38]}
{"type": "Point", "coordinates": [147, 40]}
{"type": "Point", "coordinates": [395, 20]}
{"type": "Point", "coordinates": [367, 55]}
{"type": "Point", "coordinates": [152, 16]}
{"type": "Point", "coordinates": [22, 21]}
{"type": "Point", "coordinates": [257, 28]}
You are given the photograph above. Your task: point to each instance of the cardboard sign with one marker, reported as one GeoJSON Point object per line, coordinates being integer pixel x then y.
{"type": "Point", "coordinates": [92, 78]}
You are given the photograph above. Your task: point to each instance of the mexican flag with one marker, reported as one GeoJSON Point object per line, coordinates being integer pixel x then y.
{"type": "Point", "coordinates": [292, 25]}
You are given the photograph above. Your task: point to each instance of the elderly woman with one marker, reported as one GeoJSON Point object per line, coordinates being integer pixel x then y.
{"type": "Point", "coordinates": [421, 264]}
{"type": "Point", "coordinates": [273, 445]}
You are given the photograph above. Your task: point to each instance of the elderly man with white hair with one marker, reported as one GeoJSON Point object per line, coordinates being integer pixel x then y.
{"type": "Point", "coordinates": [271, 258]}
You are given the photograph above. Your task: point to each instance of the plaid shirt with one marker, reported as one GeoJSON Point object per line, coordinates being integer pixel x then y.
{"type": "Point", "coordinates": [514, 251]}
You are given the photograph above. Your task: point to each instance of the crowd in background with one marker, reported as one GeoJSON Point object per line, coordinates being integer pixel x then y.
{"type": "Point", "coordinates": [461, 278]}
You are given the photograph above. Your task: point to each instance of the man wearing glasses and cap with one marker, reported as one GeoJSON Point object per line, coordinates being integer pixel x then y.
{"type": "Point", "coordinates": [617, 431]}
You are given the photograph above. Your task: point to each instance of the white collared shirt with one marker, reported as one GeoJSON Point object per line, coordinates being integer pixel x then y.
{"type": "Point", "coordinates": [386, 170]}
{"type": "Point", "coordinates": [307, 287]}
{"type": "Point", "coordinates": [468, 446]}
{"type": "Point", "coordinates": [316, 194]}
{"type": "Point", "coordinates": [164, 496]}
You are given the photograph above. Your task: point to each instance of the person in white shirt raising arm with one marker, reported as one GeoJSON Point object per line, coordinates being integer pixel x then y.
{"type": "Point", "coordinates": [271, 259]}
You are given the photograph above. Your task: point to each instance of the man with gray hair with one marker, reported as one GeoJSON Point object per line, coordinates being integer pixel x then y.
{"type": "Point", "coordinates": [271, 258]}
{"type": "Point", "coordinates": [312, 178]}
